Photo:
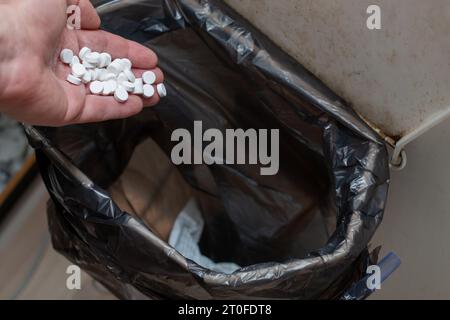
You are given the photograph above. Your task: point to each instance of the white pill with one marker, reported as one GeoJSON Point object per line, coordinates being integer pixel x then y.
{"type": "Point", "coordinates": [105, 60]}
{"type": "Point", "coordinates": [102, 75]}
{"type": "Point", "coordinates": [109, 76]}
{"type": "Point", "coordinates": [84, 51]}
{"type": "Point", "coordinates": [78, 70]}
{"type": "Point", "coordinates": [96, 87]}
{"type": "Point", "coordinates": [86, 77]}
{"type": "Point", "coordinates": [109, 87]}
{"type": "Point", "coordinates": [113, 84]}
{"type": "Point", "coordinates": [66, 56]}
{"type": "Point", "coordinates": [93, 57]}
{"type": "Point", "coordinates": [88, 65]}
{"type": "Point", "coordinates": [126, 63]}
{"type": "Point", "coordinates": [115, 67]}
{"type": "Point", "coordinates": [129, 86]}
{"type": "Point", "coordinates": [121, 94]}
{"type": "Point", "coordinates": [148, 91]}
{"type": "Point", "coordinates": [74, 80]}
{"type": "Point", "coordinates": [138, 86]}
{"type": "Point", "coordinates": [92, 72]}
{"type": "Point", "coordinates": [122, 78]}
{"type": "Point", "coordinates": [75, 60]}
{"type": "Point", "coordinates": [162, 91]}
{"type": "Point", "coordinates": [149, 77]}
{"type": "Point", "coordinates": [97, 73]}
{"type": "Point", "coordinates": [102, 61]}
{"type": "Point", "coordinates": [129, 74]}
{"type": "Point", "coordinates": [108, 58]}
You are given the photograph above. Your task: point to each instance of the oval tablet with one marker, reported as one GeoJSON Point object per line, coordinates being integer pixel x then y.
{"type": "Point", "coordinates": [84, 51]}
{"type": "Point", "coordinates": [109, 76]}
{"type": "Point", "coordinates": [121, 94]}
{"type": "Point", "coordinates": [107, 58]}
{"type": "Point", "coordinates": [78, 70]}
{"type": "Point", "coordinates": [97, 74]}
{"type": "Point", "coordinates": [75, 60]}
{"type": "Point", "coordinates": [129, 86]}
{"type": "Point", "coordinates": [109, 87]}
{"type": "Point", "coordinates": [73, 80]}
{"type": "Point", "coordinates": [122, 78]}
{"type": "Point", "coordinates": [129, 74]}
{"type": "Point", "coordinates": [93, 57]}
{"type": "Point", "coordinates": [148, 91]}
{"type": "Point", "coordinates": [103, 61]}
{"type": "Point", "coordinates": [86, 77]}
{"type": "Point", "coordinates": [138, 86]}
{"type": "Point", "coordinates": [149, 77]}
{"type": "Point", "coordinates": [126, 63]}
{"type": "Point", "coordinates": [161, 88]}
{"type": "Point", "coordinates": [96, 87]}
{"type": "Point", "coordinates": [102, 74]}
{"type": "Point", "coordinates": [66, 56]}
{"type": "Point", "coordinates": [88, 65]}
{"type": "Point", "coordinates": [114, 67]}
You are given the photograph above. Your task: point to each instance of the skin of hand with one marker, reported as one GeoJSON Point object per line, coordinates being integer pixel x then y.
{"type": "Point", "coordinates": [33, 86]}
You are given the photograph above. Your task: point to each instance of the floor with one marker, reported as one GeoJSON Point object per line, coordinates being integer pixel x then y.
{"type": "Point", "coordinates": [416, 227]}
{"type": "Point", "coordinates": [30, 268]}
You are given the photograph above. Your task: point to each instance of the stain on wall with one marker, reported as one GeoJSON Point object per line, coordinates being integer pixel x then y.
{"type": "Point", "coordinates": [395, 77]}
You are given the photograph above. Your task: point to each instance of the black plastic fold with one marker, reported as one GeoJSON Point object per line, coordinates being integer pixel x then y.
{"type": "Point", "coordinates": [222, 71]}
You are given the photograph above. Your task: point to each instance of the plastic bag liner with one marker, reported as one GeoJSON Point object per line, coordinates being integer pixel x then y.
{"type": "Point", "coordinates": [300, 234]}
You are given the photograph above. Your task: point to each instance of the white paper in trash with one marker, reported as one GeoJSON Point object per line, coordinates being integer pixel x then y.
{"type": "Point", "coordinates": [185, 236]}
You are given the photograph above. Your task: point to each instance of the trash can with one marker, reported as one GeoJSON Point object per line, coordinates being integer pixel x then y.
{"type": "Point", "coordinates": [119, 205]}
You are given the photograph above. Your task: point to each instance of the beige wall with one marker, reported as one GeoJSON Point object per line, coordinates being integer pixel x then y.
{"type": "Point", "coordinates": [395, 76]}
{"type": "Point", "coordinates": [417, 221]}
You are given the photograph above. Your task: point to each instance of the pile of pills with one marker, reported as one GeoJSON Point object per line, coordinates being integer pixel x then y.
{"type": "Point", "coordinates": [109, 77]}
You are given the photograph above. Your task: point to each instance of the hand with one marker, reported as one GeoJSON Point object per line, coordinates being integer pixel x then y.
{"type": "Point", "coordinates": [33, 86]}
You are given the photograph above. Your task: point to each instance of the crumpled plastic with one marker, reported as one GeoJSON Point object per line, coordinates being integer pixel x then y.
{"type": "Point", "coordinates": [185, 236]}
{"type": "Point", "coordinates": [301, 234]}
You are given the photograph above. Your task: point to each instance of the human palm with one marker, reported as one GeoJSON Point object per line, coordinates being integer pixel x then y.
{"type": "Point", "coordinates": [35, 89]}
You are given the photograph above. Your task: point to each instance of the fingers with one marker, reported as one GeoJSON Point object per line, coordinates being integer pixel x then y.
{"type": "Point", "coordinates": [101, 108]}
{"type": "Point", "coordinates": [153, 101]}
{"type": "Point", "coordinates": [89, 18]}
{"type": "Point", "coordinates": [102, 41]}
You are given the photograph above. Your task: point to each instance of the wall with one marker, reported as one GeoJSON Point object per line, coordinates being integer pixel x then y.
{"type": "Point", "coordinates": [395, 76]}
{"type": "Point", "coordinates": [416, 225]}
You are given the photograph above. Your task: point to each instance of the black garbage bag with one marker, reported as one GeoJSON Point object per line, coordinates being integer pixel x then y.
{"type": "Point", "coordinates": [300, 234]}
